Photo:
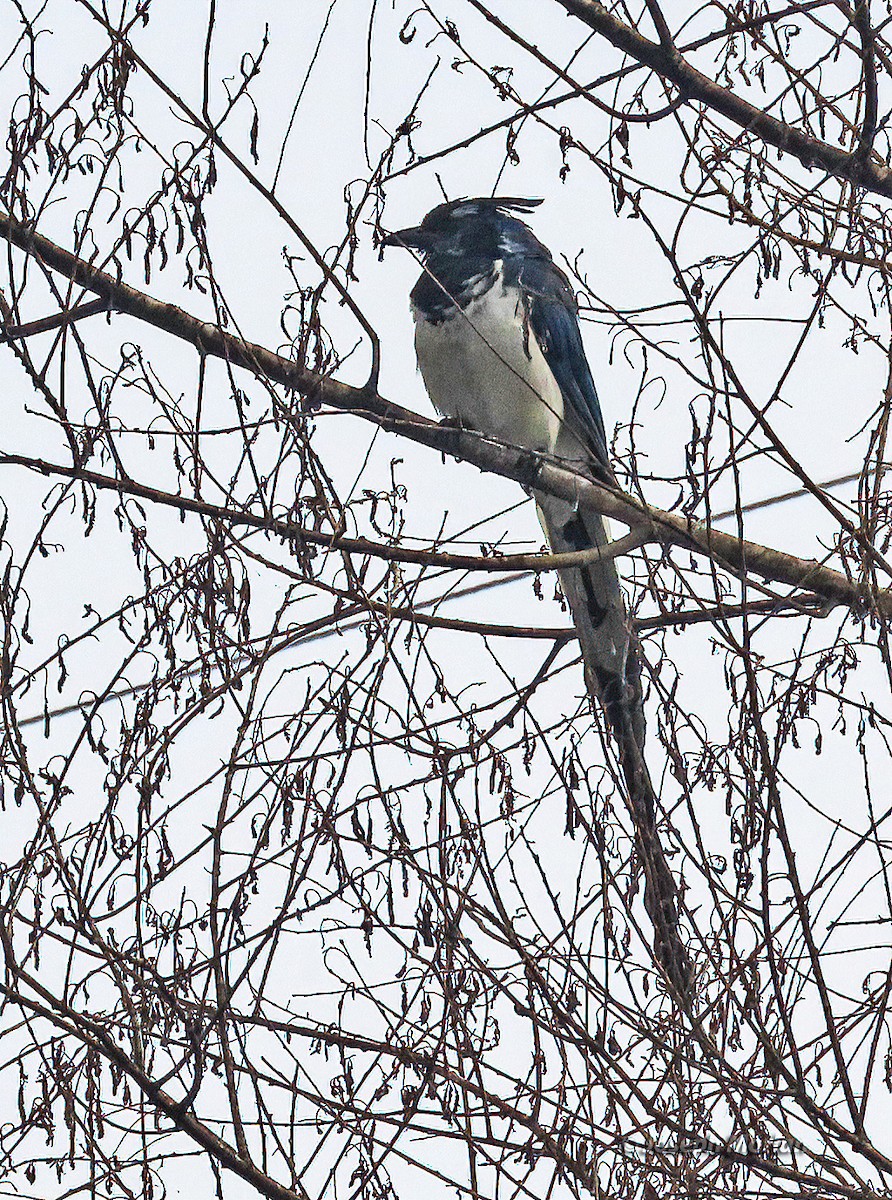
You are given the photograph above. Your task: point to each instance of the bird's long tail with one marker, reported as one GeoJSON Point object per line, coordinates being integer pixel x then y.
{"type": "Point", "coordinates": [613, 679]}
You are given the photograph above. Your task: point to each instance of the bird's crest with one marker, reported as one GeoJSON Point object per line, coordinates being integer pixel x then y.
{"type": "Point", "coordinates": [482, 204]}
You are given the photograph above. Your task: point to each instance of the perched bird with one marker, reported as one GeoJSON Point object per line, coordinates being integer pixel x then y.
{"type": "Point", "coordinates": [499, 348]}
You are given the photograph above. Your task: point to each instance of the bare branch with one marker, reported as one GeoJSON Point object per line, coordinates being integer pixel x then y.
{"type": "Point", "coordinates": [868, 173]}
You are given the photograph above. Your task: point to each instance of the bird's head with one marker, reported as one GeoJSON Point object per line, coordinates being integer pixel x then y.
{"type": "Point", "coordinates": [483, 226]}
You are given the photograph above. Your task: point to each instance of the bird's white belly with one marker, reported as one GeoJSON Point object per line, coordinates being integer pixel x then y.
{"type": "Point", "coordinates": [484, 367]}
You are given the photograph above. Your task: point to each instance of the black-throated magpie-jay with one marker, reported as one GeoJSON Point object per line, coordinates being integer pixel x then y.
{"type": "Point", "coordinates": [499, 348]}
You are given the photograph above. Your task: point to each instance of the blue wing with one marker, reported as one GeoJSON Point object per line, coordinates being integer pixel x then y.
{"type": "Point", "coordinates": [555, 324]}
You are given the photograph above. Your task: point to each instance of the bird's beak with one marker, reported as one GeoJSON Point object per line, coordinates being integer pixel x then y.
{"type": "Point", "coordinates": [410, 239]}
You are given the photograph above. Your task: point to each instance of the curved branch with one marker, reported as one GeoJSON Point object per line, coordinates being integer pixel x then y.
{"type": "Point", "coordinates": [292, 532]}
{"type": "Point", "coordinates": [868, 173]}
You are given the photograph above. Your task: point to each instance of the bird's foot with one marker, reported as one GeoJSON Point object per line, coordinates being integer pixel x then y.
{"type": "Point", "coordinates": [452, 423]}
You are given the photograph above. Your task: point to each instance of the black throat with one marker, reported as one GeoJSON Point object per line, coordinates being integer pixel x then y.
{"type": "Point", "coordinates": [450, 282]}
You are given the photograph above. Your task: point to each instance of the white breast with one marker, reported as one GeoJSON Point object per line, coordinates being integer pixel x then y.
{"type": "Point", "coordinates": [484, 366]}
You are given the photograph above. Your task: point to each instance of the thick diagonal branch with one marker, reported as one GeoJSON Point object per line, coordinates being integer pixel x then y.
{"type": "Point", "coordinates": [738, 555]}
{"type": "Point", "coordinates": [867, 172]}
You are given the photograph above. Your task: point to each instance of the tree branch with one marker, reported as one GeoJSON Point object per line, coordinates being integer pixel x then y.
{"type": "Point", "coordinates": [735, 554]}
{"type": "Point", "coordinates": [292, 532]}
{"type": "Point", "coordinates": [861, 21]}
{"type": "Point", "coordinates": [54, 321]}
{"type": "Point", "coordinates": [868, 173]}
{"type": "Point", "coordinates": [94, 1036]}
